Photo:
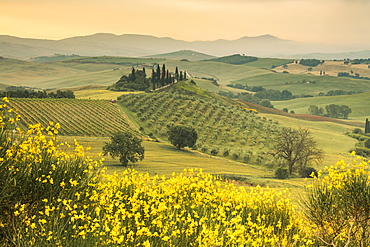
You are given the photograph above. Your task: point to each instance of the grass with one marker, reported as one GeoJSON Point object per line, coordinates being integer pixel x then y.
{"type": "Point", "coordinates": [173, 160]}
{"type": "Point", "coordinates": [357, 102]}
{"type": "Point", "coordinates": [293, 83]}
{"type": "Point", "coordinates": [267, 63]}
{"type": "Point", "coordinates": [76, 117]}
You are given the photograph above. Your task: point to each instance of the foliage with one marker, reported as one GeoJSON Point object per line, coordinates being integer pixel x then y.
{"type": "Point", "coordinates": [307, 172]}
{"type": "Point", "coordinates": [55, 198]}
{"type": "Point", "coordinates": [281, 173]}
{"type": "Point", "coordinates": [332, 110]}
{"type": "Point", "coordinates": [219, 122]}
{"type": "Point", "coordinates": [135, 81]}
{"type": "Point", "coordinates": [235, 59]}
{"type": "Point", "coordinates": [77, 117]}
{"type": "Point", "coordinates": [253, 99]}
{"type": "Point", "coordinates": [44, 184]}
{"type": "Point", "coordinates": [182, 136]}
{"type": "Point", "coordinates": [126, 146]}
{"type": "Point", "coordinates": [337, 111]}
{"type": "Point", "coordinates": [39, 94]}
{"type": "Point", "coordinates": [338, 204]}
{"type": "Point", "coordinates": [341, 92]}
{"type": "Point", "coordinates": [310, 62]}
{"type": "Point", "coordinates": [297, 148]}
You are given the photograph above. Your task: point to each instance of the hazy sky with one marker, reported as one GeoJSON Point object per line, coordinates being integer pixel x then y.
{"type": "Point", "coordinates": [320, 21]}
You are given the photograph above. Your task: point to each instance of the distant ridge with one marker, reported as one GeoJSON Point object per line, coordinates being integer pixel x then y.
{"type": "Point", "coordinates": [134, 45]}
{"type": "Point", "coordinates": [183, 54]}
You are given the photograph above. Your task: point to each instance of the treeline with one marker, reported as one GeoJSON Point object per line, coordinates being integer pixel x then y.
{"type": "Point", "coordinates": [338, 92]}
{"type": "Point", "coordinates": [310, 62]}
{"type": "Point", "coordinates": [137, 79]}
{"type": "Point", "coordinates": [245, 96]}
{"type": "Point", "coordinates": [38, 94]}
{"type": "Point", "coordinates": [332, 110]}
{"type": "Point", "coordinates": [357, 61]}
{"type": "Point", "coordinates": [262, 93]}
{"type": "Point", "coordinates": [356, 76]}
{"type": "Point", "coordinates": [234, 59]}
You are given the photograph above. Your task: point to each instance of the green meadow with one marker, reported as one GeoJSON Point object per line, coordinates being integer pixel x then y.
{"type": "Point", "coordinates": [89, 77]}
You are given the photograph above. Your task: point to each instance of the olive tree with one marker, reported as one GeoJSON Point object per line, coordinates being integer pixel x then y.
{"type": "Point", "coordinates": [182, 136]}
{"type": "Point", "coordinates": [126, 146]}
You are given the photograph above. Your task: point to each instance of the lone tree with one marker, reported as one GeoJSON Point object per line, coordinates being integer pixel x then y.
{"type": "Point", "coordinates": [126, 146]}
{"type": "Point", "coordinates": [182, 136]}
{"type": "Point", "coordinates": [297, 147]}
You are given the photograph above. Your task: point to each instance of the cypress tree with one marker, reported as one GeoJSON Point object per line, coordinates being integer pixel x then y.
{"type": "Point", "coordinates": [158, 76]}
{"type": "Point", "coordinates": [184, 75]}
{"type": "Point", "coordinates": [177, 74]}
{"type": "Point", "coordinates": [367, 126]}
{"type": "Point", "coordinates": [163, 78]}
{"type": "Point", "coordinates": [181, 76]}
{"type": "Point", "coordinates": [153, 79]}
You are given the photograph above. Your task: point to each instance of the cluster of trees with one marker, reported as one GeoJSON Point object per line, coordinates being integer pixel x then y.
{"type": "Point", "coordinates": [363, 146]}
{"type": "Point", "coordinates": [262, 93]}
{"type": "Point", "coordinates": [39, 94]}
{"type": "Point", "coordinates": [235, 59]}
{"type": "Point", "coordinates": [357, 61]}
{"type": "Point", "coordinates": [357, 75]}
{"type": "Point", "coordinates": [332, 110]}
{"type": "Point", "coordinates": [338, 92]}
{"type": "Point", "coordinates": [128, 147]}
{"type": "Point", "coordinates": [137, 79]}
{"type": "Point", "coordinates": [245, 96]}
{"type": "Point", "coordinates": [311, 62]}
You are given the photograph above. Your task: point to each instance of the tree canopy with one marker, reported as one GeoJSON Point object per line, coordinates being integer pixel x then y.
{"type": "Point", "coordinates": [182, 136]}
{"type": "Point", "coordinates": [126, 146]}
{"type": "Point", "coordinates": [297, 147]}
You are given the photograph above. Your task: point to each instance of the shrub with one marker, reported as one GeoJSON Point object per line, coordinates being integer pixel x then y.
{"type": "Point", "coordinates": [338, 204]}
{"type": "Point", "coordinates": [307, 172]}
{"type": "Point", "coordinates": [367, 143]}
{"type": "Point", "coordinates": [214, 151]}
{"type": "Point", "coordinates": [41, 181]}
{"type": "Point", "coordinates": [281, 173]}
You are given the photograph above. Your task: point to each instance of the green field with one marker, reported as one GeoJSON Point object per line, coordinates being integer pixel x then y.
{"type": "Point", "coordinates": [76, 117]}
{"type": "Point", "coordinates": [77, 74]}
{"type": "Point", "coordinates": [357, 102]}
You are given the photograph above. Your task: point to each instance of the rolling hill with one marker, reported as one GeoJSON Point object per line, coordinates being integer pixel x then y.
{"type": "Point", "coordinates": [76, 117]}
{"type": "Point", "coordinates": [143, 45]}
{"type": "Point", "coordinates": [181, 55]}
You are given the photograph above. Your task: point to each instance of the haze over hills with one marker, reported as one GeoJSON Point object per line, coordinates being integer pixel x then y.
{"type": "Point", "coordinates": [132, 45]}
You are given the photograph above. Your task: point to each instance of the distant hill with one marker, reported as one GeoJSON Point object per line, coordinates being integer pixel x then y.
{"type": "Point", "coordinates": [235, 59]}
{"type": "Point", "coordinates": [183, 54]}
{"type": "Point", "coordinates": [339, 55]}
{"type": "Point", "coordinates": [131, 45]}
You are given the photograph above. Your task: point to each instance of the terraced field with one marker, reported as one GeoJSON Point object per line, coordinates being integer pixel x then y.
{"type": "Point", "coordinates": [76, 117]}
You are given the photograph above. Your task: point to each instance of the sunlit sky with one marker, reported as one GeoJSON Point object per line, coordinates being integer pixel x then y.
{"type": "Point", "coordinates": [318, 21]}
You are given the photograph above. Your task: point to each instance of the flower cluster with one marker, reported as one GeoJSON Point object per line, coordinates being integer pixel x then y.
{"type": "Point", "coordinates": [53, 194]}
{"type": "Point", "coordinates": [338, 204]}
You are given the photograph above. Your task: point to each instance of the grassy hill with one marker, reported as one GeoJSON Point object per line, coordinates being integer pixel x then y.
{"type": "Point", "coordinates": [223, 127]}
{"type": "Point", "coordinates": [76, 117]}
{"type": "Point", "coordinates": [183, 54]}
{"type": "Point", "coordinates": [358, 104]}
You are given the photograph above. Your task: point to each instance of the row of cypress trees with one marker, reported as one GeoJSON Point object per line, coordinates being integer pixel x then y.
{"type": "Point", "coordinates": [137, 79]}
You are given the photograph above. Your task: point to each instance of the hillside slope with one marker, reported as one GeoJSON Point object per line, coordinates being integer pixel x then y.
{"type": "Point", "coordinates": [76, 117]}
